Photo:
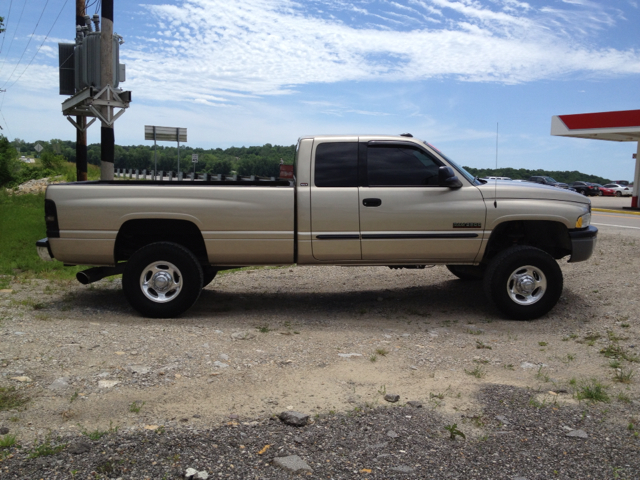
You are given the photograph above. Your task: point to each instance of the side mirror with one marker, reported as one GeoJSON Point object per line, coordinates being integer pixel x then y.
{"type": "Point", "coordinates": [446, 178]}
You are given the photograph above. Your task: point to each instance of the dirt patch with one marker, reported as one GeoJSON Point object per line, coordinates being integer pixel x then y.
{"type": "Point", "coordinates": [313, 339]}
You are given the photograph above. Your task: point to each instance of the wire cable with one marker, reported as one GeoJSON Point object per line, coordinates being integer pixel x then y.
{"type": "Point", "coordinates": [45, 39]}
{"type": "Point", "coordinates": [14, 35]}
{"type": "Point", "coordinates": [5, 26]}
{"type": "Point", "coordinates": [27, 46]}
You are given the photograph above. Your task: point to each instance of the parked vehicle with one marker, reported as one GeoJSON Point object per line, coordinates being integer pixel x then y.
{"type": "Point", "coordinates": [619, 190]}
{"type": "Point", "coordinates": [607, 192]}
{"type": "Point", "coordinates": [547, 181]}
{"type": "Point", "coordinates": [585, 188]}
{"type": "Point", "coordinates": [496, 178]}
{"type": "Point", "coordinates": [369, 200]}
{"type": "Point", "coordinates": [624, 183]}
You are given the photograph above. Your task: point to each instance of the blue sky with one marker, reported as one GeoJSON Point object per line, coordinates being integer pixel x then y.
{"type": "Point", "coordinates": [258, 71]}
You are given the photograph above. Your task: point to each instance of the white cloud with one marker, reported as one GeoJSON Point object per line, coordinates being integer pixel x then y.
{"type": "Point", "coordinates": [214, 48]}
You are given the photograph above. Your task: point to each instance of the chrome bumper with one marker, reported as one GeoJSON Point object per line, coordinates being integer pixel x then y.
{"type": "Point", "coordinates": [44, 250]}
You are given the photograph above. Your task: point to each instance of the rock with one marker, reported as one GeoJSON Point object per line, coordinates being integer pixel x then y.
{"type": "Point", "coordinates": [201, 475]}
{"type": "Point", "coordinates": [296, 419]}
{"type": "Point", "coordinates": [349, 355]}
{"type": "Point", "coordinates": [392, 434]}
{"type": "Point", "coordinates": [577, 433]}
{"type": "Point", "coordinates": [224, 356]}
{"type": "Point", "coordinates": [392, 397]}
{"type": "Point", "coordinates": [59, 384]}
{"type": "Point", "coordinates": [414, 403]}
{"type": "Point", "coordinates": [139, 369]}
{"type": "Point", "coordinates": [190, 473]}
{"type": "Point", "coordinates": [22, 379]}
{"type": "Point", "coordinates": [107, 383]}
{"type": "Point", "coordinates": [292, 463]}
{"type": "Point", "coordinates": [527, 365]}
{"type": "Point", "coordinates": [244, 335]}
{"type": "Point", "coordinates": [503, 419]}
{"type": "Point", "coordinates": [4, 430]}
{"type": "Point", "coordinates": [402, 469]}
{"type": "Point", "coordinates": [79, 447]}
{"type": "Point", "coordinates": [219, 364]}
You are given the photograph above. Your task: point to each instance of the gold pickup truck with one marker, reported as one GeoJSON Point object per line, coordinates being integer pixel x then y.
{"type": "Point", "coordinates": [354, 200]}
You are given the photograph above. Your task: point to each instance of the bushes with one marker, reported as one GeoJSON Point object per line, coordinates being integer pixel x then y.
{"type": "Point", "coordinates": [9, 164]}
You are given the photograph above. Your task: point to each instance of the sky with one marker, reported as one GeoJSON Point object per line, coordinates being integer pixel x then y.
{"type": "Point", "coordinates": [459, 74]}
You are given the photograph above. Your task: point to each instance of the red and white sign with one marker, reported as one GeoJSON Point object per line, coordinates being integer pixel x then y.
{"type": "Point", "coordinates": [286, 171]}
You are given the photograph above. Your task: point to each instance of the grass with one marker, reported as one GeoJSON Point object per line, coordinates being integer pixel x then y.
{"type": "Point", "coordinates": [477, 372]}
{"type": "Point", "coordinates": [263, 328]}
{"type": "Point", "coordinates": [7, 441]}
{"type": "Point", "coordinates": [97, 434]}
{"type": "Point", "coordinates": [543, 344]}
{"type": "Point", "coordinates": [11, 398]}
{"type": "Point", "coordinates": [22, 224]}
{"type": "Point", "coordinates": [623, 375]}
{"type": "Point", "coordinates": [135, 407]}
{"type": "Point", "coordinates": [382, 352]}
{"type": "Point", "coordinates": [482, 345]}
{"type": "Point", "coordinates": [593, 391]}
{"type": "Point", "coordinates": [617, 352]}
{"type": "Point", "coordinates": [373, 358]}
{"type": "Point", "coordinates": [46, 448]}
{"type": "Point", "coordinates": [454, 432]}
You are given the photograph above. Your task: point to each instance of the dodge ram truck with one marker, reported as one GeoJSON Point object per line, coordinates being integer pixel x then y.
{"type": "Point", "coordinates": [354, 200]}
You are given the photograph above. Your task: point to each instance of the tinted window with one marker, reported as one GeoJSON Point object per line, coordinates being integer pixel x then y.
{"type": "Point", "coordinates": [336, 165]}
{"type": "Point", "coordinates": [400, 166]}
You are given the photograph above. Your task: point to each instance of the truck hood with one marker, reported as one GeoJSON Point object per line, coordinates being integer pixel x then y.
{"type": "Point", "coordinates": [503, 189]}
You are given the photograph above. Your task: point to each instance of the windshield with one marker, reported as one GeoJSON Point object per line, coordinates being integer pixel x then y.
{"type": "Point", "coordinates": [457, 167]}
{"type": "Point", "coordinates": [549, 179]}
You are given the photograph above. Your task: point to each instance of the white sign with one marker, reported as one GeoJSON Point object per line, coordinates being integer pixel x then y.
{"type": "Point", "coordinates": [194, 158]}
{"type": "Point", "coordinates": [38, 147]}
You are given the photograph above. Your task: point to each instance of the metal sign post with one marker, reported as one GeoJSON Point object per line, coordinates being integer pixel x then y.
{"type": "Point", "coordinates": [165, 134]}
{"type": "Point", "coordinates": [194, 160]}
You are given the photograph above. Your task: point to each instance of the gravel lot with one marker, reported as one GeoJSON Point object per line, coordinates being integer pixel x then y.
{"type": "Point", "coordinates": [202, 391]}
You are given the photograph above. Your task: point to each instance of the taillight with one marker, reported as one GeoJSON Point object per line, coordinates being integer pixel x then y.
{"type": "Point", "coordinates": [51, 219]}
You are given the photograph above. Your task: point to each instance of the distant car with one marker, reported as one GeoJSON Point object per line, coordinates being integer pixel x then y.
{"type": "Point", "coordinates": [544, 180]}
{"type": "Point", "coordinates": [607, 192]}
{"type": "Point", "coordinates": [624, 183]}
{"type": "Point", "coordinates": [585, 188]}
{"type": "Point", "coordinates": [620, 190]}
{"type": "Point", "coordinates": [496, 178]}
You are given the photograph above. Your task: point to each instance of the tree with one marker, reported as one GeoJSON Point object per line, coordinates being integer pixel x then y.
{"type": "Point", "coordinates": [8, 161]}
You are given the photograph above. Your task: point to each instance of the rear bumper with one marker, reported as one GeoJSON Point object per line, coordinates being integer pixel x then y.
{"type": "Point", "coordinates": [583, 242]}
{"type": "Point", "coordinates": [44, 250]}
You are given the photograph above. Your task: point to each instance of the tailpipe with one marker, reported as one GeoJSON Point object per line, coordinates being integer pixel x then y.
{"type": "Point", "coordinates": [98, 273]}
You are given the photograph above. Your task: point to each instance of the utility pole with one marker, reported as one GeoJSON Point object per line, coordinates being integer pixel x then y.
{"type": "Point", "coordinates": [107, 138]}
{"type": "Point", "coordinates": [81, 132]}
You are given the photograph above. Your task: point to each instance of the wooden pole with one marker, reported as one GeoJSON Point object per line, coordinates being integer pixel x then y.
{"type": "Point", "coordinates": [107, 138]}
{"type": "Point", "coordinates": [81, 133]}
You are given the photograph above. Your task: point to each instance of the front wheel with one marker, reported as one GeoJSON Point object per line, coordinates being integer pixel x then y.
{"type": "Point", "coordinates": [162, 280]}
{"type": "Point", "coordinates": [523, 282]}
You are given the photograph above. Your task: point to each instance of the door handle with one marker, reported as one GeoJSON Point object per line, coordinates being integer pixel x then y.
{"type": "Point", "coordinates": [371, 202]}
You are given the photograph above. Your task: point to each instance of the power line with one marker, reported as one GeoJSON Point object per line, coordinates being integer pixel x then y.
{"type": "Point", "coordinates": [5, 31]}
{"type": "Point", "coordinates": [27, 46]}
{"type": "Point", "coordinates": [45, 39]}
{"type": "Point", "coordinates": [14, 35]}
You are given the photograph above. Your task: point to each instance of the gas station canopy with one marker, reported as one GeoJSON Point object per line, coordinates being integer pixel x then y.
{"type": "Point", "coordinates": [621, 126]}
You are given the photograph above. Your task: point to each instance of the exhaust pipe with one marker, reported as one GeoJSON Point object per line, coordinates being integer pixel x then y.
{"type": "Point", "coordinates": [98, 273]}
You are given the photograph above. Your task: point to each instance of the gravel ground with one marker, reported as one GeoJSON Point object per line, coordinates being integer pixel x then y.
{"type": "Point", "coordinates": [204, 391]}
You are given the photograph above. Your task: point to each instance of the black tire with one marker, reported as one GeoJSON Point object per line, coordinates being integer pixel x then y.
{"type": "Point", "coordinates": [583, 192]}
{"type": "Point", "coordinates": [536, 270]}
{"type": "Point", "coordinates": [467, 272]}
{"type": "Point", "coordinates": [208, 274]}
{"type": "Point", "coordinates": [618, 194]}
{"type": "Point", "coordinates": [599, 193]}
{"type": "Point", "coordinates": [162, 280]}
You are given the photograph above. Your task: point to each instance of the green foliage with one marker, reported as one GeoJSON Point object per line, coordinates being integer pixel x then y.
{"type": "Point", "coordinates": [46, 448]}
{"type": "Point", "coordinates": [9, 164]}
{"type": "Point", "coordinates": [593, 391]}
{"type": "Point", "coordinates": [7, 441]}
{"type": "Point", "coordinates": [454, 432]}
{"type": "Point", "coordinates": [524, 174]}
{"type": "Point", "coordinates": [11, 398]}
{"type": "Point", "coordinates": [51, 161]}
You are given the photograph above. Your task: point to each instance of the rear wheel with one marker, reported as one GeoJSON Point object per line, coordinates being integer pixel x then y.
{"type": "Point", "coordinates": [523, 282]}
{"type": "Point", "coordinates": [162, 280]}
{"type": "Point", "coordinates": [466, 272]}
{"type": "Point", "coordinates": [599, 193]}
{"type": "Point", "coordinates": [618, 194]}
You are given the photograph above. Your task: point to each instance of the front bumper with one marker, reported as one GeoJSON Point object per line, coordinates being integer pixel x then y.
{"type": "Point", "coordinates": [44, 250]}
{"type": "Point", "coordinates": [583, 241]}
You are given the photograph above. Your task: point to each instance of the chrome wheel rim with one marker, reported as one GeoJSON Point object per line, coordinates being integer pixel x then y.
{"type": "Point", "coordinates": [161, 282]}
{"type": "Point", "coordinates": [526, 285]}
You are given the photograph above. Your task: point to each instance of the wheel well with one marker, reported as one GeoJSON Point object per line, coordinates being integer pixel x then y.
{"type": "Point", "coordinates": [552, 237]}
{"type": "Point", "coordinates": [135, 234]}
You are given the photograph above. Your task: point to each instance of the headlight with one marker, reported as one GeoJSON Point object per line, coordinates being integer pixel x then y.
{"type": "Point", "coordinates": [583, 221]}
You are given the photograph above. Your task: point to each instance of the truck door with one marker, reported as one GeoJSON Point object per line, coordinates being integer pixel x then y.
{"type": "Point", "coordinates": [335, 222]}
{"type": "Point", "coordinates": [406, 217]}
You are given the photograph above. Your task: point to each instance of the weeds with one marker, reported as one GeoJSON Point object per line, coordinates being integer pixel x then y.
{"type": "Point", "coordinates": [11, 398]}
{"type": "Point", "coordinates": [477, 372]}
{"type": "Point", "coordinates": [593, 391]}
{"type": "Point", "coordinates": [46, 448]}
{"type": "Point", "coordinates": [136, 406]}
{"type": "Point", "coordinates": [454, 432]}
{"type": "Point", "coordinates": [543, 344]}
{"type": "Point", "coordinates": [623, 397]}
{"type": "Point", "coordinates": [617, 352]}
{"type": "Point", "coordinates": [570, 357]}
{"type": "Point", "coordinates": [540, 375]}
{"type": "Point", "coordinates": [97, 434]}
{"type": "Point", "coordinates": [623, 375]}
{"type": "Point", "coordinates": [263, 328]}
{"type": "Point", "coordinates": [7, 441]}
{"type": "Point", "coordinates": [373, 358]}
{"type": "Point", "coordinates": [482, 345]}
{"type": "Point", "coordinates": [474, 332]}
{"type": "Point", "coordinates": [382, 352]}
{"type": "Point", "coordinates": [509, 366]}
